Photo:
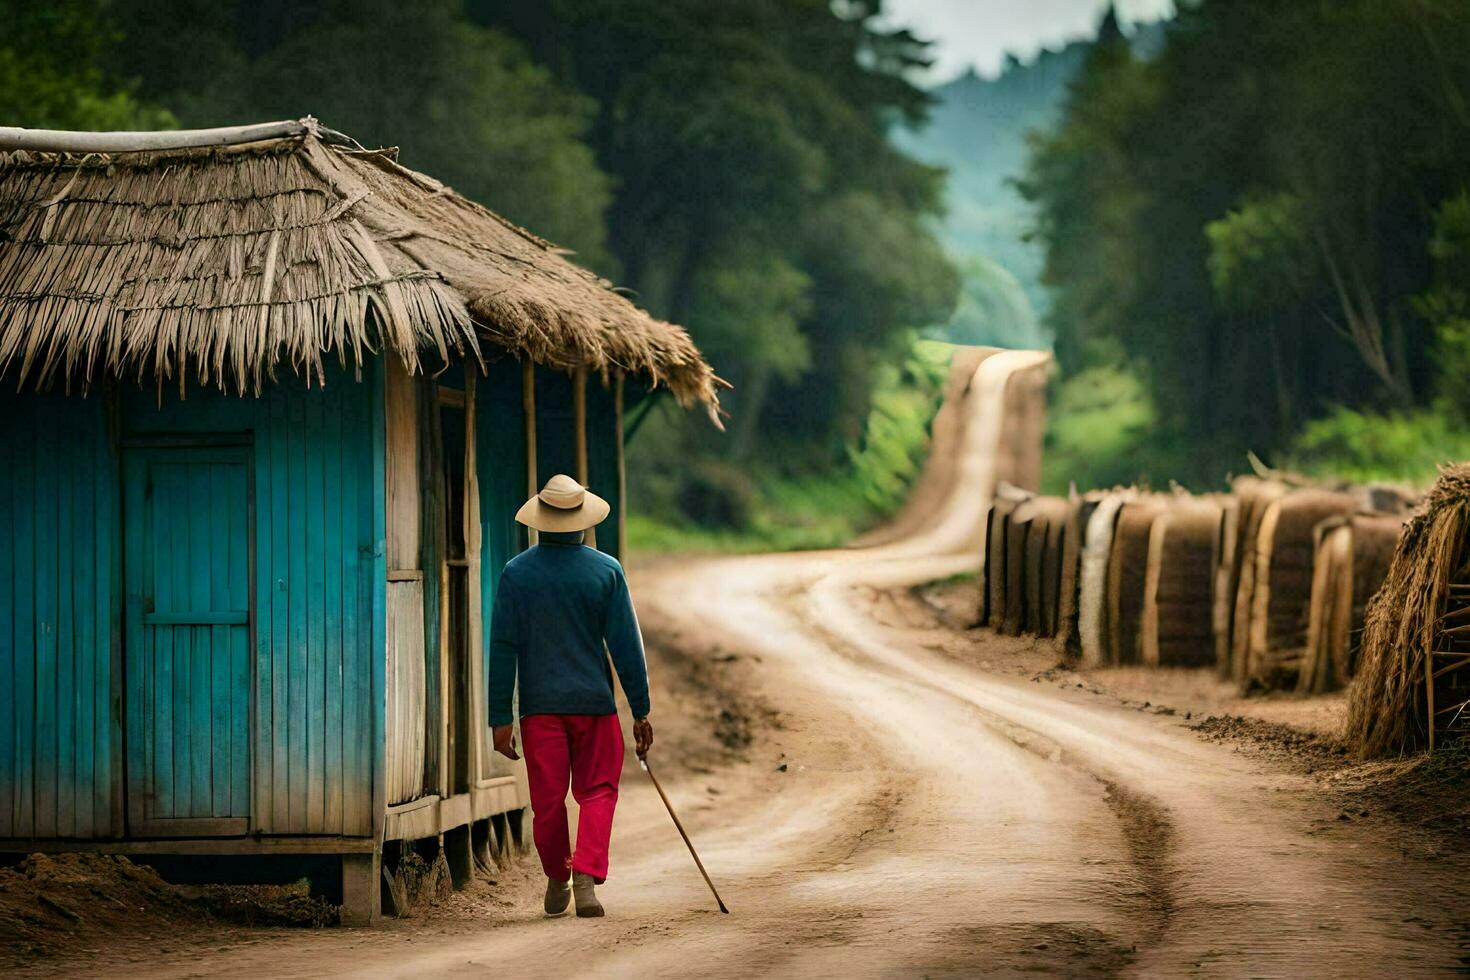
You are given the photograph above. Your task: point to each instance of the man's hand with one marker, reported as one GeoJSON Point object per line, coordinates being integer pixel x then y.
{"type": "Point", "coordinates": [642, 736]}
{"type": "Point", "coordinates": [505, 741]}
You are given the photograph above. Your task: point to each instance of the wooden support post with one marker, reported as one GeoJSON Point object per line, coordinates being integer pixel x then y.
{"type": "Point", "coordinates": [458, 855]}
{"type": "Point", "coordinates": [528, 408]}
{"type": "Point", "coordinates": [622, 469]}
{"type": "Point", "coordinates": [361, 904]}
{"type": "Point", "coordinates": [482, 845]}
{"type": "Point", "coordinates": [579, 435]}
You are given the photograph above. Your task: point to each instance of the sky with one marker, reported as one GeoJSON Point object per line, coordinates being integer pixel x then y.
{"type": "Point", "coordinates": [979, 33]}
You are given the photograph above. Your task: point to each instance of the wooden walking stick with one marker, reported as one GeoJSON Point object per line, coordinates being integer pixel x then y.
{"type": "Point", "coordinates": [643, 761]}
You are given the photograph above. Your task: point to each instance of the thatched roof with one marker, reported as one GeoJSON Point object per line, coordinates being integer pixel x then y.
{"type": "Point", "coordinates": [227, 263]}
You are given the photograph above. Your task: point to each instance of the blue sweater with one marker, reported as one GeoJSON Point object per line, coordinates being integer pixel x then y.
{"type": "Point", "coordinates": [555, 607]}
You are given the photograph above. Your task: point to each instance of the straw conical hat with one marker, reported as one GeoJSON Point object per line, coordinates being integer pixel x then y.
{"type": "Point", "coordinates": [563, 505]}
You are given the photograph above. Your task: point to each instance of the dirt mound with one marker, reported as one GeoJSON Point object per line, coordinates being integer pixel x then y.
{"type": "Point", "coordinates": [70, 902]}
{"type": "Point", "coordinates": [1306, 750]}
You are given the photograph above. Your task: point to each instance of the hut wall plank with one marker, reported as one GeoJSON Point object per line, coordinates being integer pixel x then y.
{"type": "Point", "coordinates": [316, 624]}
{"type": "Point", "coordinates": [56, 628]}
{"type": "Point", "coordinates": [318, 539]}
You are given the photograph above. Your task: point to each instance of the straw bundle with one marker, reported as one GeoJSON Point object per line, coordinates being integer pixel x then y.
{"type": "Point", "coordinates": [1127, 576]}
{"type": "Point", "coordinates": [1226, 579]}
{"type": "Point", "coordinates": [1255, 496]}
{"type": "Point", "coordinates": [997, 540]}
{"type": "Point", "coordinates": [1045, 522]}
{"type": "Point", "coordinates": [1069, 639]}
{"type": "Point", "coordinates": [1352, 558]}
{"type": "Point", "coordinates": [1092, 591]}
{"type": "Point", "coordinates": [230, 263]}
{"type": "Point", "coordinates": [1282, 586]}
{"type": "Point", "coordinates": [1409, 632]}
{"type": "Point", "coordinates": [1179, 587]}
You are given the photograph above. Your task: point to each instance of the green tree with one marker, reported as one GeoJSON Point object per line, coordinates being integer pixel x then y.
{"type": "Point", "coordinates": [49, 74]}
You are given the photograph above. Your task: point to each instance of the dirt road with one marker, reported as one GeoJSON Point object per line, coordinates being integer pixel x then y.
{"type": "Point", "coordinates": [902, 813]}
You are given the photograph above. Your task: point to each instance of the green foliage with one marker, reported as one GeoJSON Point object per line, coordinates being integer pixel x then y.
{"type": "Point", "coordinates": [1100, 430]}
{"type": "Point", "coordinates": [789, 502]}
{"type": "Point", "coordinates": [1260, 253]}
{"type": "Point", "coordinates": [465, 102]}
{"type": "Point", "coordinates": [895, 441]}
{"type": "Point", "coordinates": [1408, 446]}
{"type": "Point", "coordinates": [1248, 216]}
{"type": "Point", "coordinates": [1446, 305]}
{"type": "Point", "coordinates": [49, 77]}
{"type": "Point", "coordinates": [759, 201]}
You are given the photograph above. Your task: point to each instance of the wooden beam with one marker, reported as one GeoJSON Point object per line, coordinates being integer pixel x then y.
{"type": "Point", "coordinates": [70, 141]}
{"type": "Point", "coordinates": [579, 435]}
{"type": "Point", "coordinates": [528, 408]}
{"type": "Point", "coordinates": [622, 469]}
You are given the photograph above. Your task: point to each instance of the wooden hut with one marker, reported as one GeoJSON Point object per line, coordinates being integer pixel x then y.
{"type": "Point", "coordinates": [1281, 586]}
{"type": "Point", "coordinates": [1351, 562]}
{"type": "Point", "coordinates": [274, 400]}
{"type": "Point", "coordinates": [1178, 628]}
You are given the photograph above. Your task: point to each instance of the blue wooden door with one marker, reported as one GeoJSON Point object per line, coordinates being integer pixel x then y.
{"type": "Point", "coordinates": [187, 572]}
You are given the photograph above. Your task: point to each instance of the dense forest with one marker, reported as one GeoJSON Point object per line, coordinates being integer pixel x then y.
{"type": "Point", "coordinates": [1246, 229]}
{"type": "Point", "coordinates": [727, 164]}
{"type": "Point", "coordinates": [1258, 238]}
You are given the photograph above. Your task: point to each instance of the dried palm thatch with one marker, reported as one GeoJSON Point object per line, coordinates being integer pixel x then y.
{"type": "Point", "coordinates": [1127, 575]}
{"type": "Point", "coordinates": [1092, 589]}
{"type": "Point", "coordinates": [1411, 681]}
{"type": "Point", "coordinates": [1352, 558]}
{"type": "Point", "coordinates": [229, 263]}
{"type": "Point", "coordinates": [1282, 586]}
{"type": "Point", "coordinates": [1179, 587]}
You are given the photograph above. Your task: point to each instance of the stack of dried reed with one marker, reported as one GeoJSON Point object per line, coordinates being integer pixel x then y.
{"type": "Point", "coordinates": [1352, 559]}
{"type": "Point", "coordinates": [1092, 576]}
{"type": "Point", "coordinates": [1127, 576]}
{"type": "Point", "coordinates": [1046, 519]}
{"type": "Point", "coordinates": [1179, 589]}
{"type": "Point", "coordinates": [1392, 708]}
{"type": "Point", "coordinates": [998, 525]}
{"type": "Point", "coordinates": [1282, 588]}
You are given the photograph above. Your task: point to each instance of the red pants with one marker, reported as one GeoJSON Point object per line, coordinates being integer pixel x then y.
{"type": "Point", "coordinates": [585, 751]}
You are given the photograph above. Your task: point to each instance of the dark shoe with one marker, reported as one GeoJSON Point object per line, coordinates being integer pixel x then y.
{"type": "Point", "coordinates": [558, 894]}
{"type": "Point", "coordinates": [585, 888]}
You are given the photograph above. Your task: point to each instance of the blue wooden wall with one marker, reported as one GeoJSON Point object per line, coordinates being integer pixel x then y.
{"type": "Point", "coordinates": [556, 433]}
{"type": "Point", "coordinates": [318, 648]}
{"type": "Point", "coordinates": [59, 619]}
{"type": "Point", "coordinates": [318, 546]}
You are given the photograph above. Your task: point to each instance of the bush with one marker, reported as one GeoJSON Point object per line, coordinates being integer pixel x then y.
{"type": "Point", "coordinates": [1363, 446]}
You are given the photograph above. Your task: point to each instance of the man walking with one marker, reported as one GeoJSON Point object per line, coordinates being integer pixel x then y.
{"type": "Point", "coordinates": [560, 608]}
